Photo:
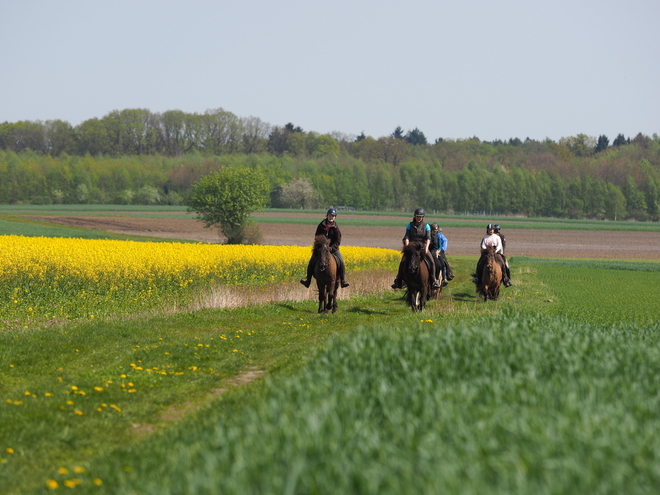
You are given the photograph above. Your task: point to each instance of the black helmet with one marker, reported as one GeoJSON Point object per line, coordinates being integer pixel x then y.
{"type": "Point", "coordinates": [331, 211]}
{"type": "Point", "coordinates": [435, 226]}
{"type": "Point", "coordinates": [490, 226]}
{"type": "Point", "coordinates": [496, 227]}
{"type": "Point", "coordinates": [419, 212]}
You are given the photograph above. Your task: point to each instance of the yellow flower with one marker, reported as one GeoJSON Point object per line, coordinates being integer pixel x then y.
{"type": "Point", "coordinates": [97, 481]}
{"type": "Point", "coordinates": [78, 469]}
{"type": "Point", "coordinates": [63, 470]}
{"type": "Point", "coordinates": [10, 450]}
{"type": "Point", "coordinates": [98, 389]}
{"type": "Point", "coordinates": [78, 412]}
{"type": "Point", "coordinates": [52, 484]}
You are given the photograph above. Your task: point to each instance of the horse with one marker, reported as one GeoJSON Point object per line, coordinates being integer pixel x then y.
{"type": "Point", "coordinates": [416, 276]}
{"type": "Point", "coordinates": [491, 276]}
{"type": "Point", "coordinates": [325, 273]}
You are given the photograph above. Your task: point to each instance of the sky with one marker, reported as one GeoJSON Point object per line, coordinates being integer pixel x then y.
{"type": "Point", "coordinates": [454, 70]}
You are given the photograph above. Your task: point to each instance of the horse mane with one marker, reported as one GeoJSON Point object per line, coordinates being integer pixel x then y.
{"type": "Point", "coordinates": [320, 242]}
{"type": "Point", "coordinates": [413, 248]}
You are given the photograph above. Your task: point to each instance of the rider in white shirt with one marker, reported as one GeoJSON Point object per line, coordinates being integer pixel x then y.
{"type": "Point", "coordinates": [494, 240]}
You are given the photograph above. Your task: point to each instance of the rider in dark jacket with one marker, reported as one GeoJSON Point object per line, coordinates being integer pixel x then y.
{"type": "Point", "coordinates": [329, 228]}
{"type": "Point", "coordinates": [417, 230]}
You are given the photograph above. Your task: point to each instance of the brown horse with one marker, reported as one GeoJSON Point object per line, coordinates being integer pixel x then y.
{"type": "Point", "coordinates": [325, 273]}
{"type": "Point", "coordinates": [416, 276]}
{"type": "Point", "coordinates": [491, 276]}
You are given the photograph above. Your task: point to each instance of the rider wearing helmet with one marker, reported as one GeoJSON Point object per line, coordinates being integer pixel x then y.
{"type": "Point", "coordinates": [329, 228]}
{"type": "Point", "coordinates": [417, 230]}
{"type": "Point", "coordinates": [491, 239]}
{"type": "Point", "coordinates": [438, 247]}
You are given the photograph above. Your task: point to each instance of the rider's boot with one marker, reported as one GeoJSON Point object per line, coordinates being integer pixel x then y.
{"type": "Point", "coordinates": [435, 283]}
{"type": "Point", "coordinates": [397, 283]}
{"type": "Point", "coordinates": [507, 278]}
{"type": "Point", "coordinates": [310, 273]}
{"type": "Point", "coordinates": [344, 284]}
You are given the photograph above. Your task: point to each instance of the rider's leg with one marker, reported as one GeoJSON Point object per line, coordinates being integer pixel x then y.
{"type": "Point", "coordinates": [480, 268]}
{"type": "Point", "coordinates": [447, 268]}
{"type": "Point", "coordinates": [506, 273]}
{"type": "Point", "coordinates": [434, 279]}
{"type": "Point", "coordinates": [398, 281]}
{"type": "Point", "coordinates": [341, 270]}
{"type": "Point", "coordinates": [310, 273]}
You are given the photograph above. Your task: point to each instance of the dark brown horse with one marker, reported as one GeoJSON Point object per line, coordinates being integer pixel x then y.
{"type": "Point", "coordinates": [491, 276]}
{"type": "Point", "coordinates": [325, 273]}
{"type": "Point", "coordinates": [416, 276]}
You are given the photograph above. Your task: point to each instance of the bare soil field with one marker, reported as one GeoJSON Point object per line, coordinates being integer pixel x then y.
{"type": "Point", "coordinates": [462, 241]}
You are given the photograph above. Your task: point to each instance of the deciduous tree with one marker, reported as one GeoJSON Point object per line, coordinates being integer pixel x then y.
{"type": "Point", "coordinates": [226, 198]}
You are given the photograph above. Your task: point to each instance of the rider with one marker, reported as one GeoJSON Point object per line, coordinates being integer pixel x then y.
{"type": "Point", "coordinates": [492, 240]}
{"type": "Point", "coordinates": [417, 230]}
{"type": "Point", "coordinates": [496, 227]}
{"type": "Point", "coordinates": [438, 247]}
{"type": "Point", "coordinates": [329, 228]}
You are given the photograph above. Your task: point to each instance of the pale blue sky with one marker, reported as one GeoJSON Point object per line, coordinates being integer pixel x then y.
{"type": "Point", "coordinates": [495, 70]}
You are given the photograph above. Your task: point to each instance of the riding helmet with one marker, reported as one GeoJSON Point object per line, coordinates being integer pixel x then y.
{"type": "Point", "coordinates": [490, 226]}
{"type": "Point", "coordinates": [496, 227]}
{"type": "Point", "coordinates": [331, 211]}
{"type": "Point", "coordinates": [435, 226]}
{"type": "Point", "coordinates": [419, 212]}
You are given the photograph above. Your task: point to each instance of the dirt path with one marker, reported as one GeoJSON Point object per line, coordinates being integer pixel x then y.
{"type": "Point", "coordinates": [462, 241]}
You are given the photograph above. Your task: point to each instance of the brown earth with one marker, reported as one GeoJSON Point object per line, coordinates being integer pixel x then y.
{"type": "Point", "coordinates": [462, 241]}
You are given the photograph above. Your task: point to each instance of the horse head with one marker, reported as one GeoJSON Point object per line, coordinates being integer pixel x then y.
{"type": "Point", "coordinates": [413, 254]}
{"type": "Point", "coordinates": [490, 258]}
{"type": "Point", "coordinates": [321, 251]}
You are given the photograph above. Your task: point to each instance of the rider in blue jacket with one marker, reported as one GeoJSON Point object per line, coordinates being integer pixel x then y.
{"type": "Point", "coordinates": [438, 248]}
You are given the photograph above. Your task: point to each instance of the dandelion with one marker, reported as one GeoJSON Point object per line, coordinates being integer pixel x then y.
{"type": "Point", "coordinates": [98, 389]}
{"type": "Point", "coordinates": [69, 402]}
{"type": "Point", "coordinates": [97, 481]}
{"type": "Point", "coordinates": [63, 470]}
{"type": "Point", "coordinates": [52, 484]}
{"type": "Point", "coordinates": [78, 469]}
{"type": "Point", "coordinates": [9, 450]}
{"type": "Point", "coordinates": [78, 412]}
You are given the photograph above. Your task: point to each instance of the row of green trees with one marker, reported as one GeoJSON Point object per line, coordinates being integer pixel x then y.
{"type": "Point", "coordinates": [219, 132]}
{"type": "Point", "coordinates": [470, 176]}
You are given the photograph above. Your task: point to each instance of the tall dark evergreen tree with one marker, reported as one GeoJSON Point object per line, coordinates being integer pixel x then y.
{"type": "Point", "coordinates": [603, 143]}
{"type": "Point", "coordinates": [398, 133]}
{"type": "Point", "coordinates": [415, 137]}
{"type": "Point", "coordinates": [620, 140]}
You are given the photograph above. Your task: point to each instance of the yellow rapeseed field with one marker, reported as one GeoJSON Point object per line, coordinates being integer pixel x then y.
{"type": "Point", "coordinates": [45, 277]}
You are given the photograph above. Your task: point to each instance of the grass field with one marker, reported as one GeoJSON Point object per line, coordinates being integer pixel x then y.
{"type": "Point", "coordinates": [553, 389]}
{"type": "Point", "coordinates": [9, 212]}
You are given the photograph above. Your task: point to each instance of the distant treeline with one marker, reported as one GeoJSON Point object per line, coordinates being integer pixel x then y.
{"type": "Point", "coordinates": [139, 157]}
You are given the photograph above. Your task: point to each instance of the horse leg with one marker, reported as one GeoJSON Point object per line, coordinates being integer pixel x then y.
{"type": "Point", "coordinates": [322, 298]}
